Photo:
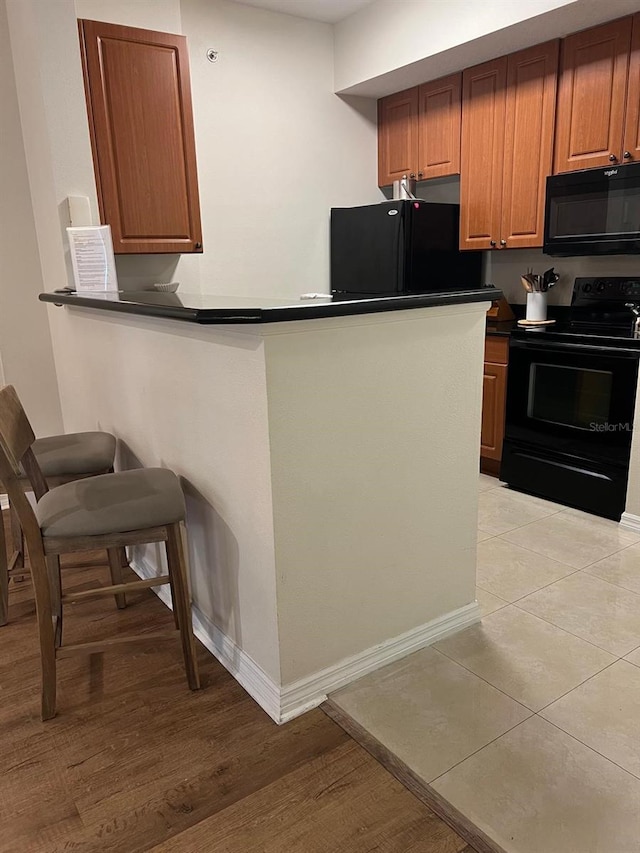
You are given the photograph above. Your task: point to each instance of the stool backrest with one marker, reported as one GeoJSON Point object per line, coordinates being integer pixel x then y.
{"type": "Point", "coordinates": [16, 438]}
{"type": "Point", "coordinates": [16, 435]}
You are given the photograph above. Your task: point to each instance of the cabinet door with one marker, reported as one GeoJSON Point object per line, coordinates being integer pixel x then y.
{"type": "Point", "coordinates": [140, 118]}
{"type": "Point", "coordinates": [494, 393]}
{"type": "Point", "coordinates": [631, 144]}
{"type": "Point", "coordinates": [440, 112]}
{"type": "Point", "coordinates": [591, 97]}
{"type": "Point", "coordinates": [528, 146]}
{"type": "Point", "coordinates": [483, 111]}
{"type": "Point", "coordinates": [397, 136]}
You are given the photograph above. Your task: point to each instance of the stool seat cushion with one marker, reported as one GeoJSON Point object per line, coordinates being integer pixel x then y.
{"type": "Point", "coordinates": [112, 503]}
{"type": "Point", "coordinates": [75, 453]}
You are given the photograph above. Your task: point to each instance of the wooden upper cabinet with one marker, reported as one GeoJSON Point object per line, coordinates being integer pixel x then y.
{"type": "Point", "coordinates": [631, 141]}
{"type": "Point", "coordinates": [528, 148]}
{"type": "Point", "coordinates": [140, 119]}
{"type": "Point", "coordinates": [592, 97]}
{"type": "Point", "coordinates": [508, 111]}
{"type": "Point", "coordinates": [439, 117]}
{"type": "Point", "coordinates": [483, 114]}
{"type": "Point", "coordinates": [397, 136]}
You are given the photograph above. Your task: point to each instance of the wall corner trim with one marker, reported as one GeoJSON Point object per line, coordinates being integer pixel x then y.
{"type": "Point", "coordinates": [630, 522]}
{"type": "Point", "coordinates": [289, 701]}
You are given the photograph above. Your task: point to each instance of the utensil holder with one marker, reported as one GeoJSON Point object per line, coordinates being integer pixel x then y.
{"type": "Point", "coordinates": [536, 306]}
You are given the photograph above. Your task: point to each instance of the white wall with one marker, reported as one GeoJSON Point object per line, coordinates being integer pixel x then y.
{"type": "Point", "coordinates": [374, 431]}
{"type": "Point", "coordinates": [163, 15]}
{"type": "Point", "coordinates": [505, 266]}
{"type": "Point", "coordinates": [25, 339]}
{"type": "Point", "coordinates": [194, 400]}
{"type": "Point", "coordinates": [276, 148]}
{"type": "Point", "coordinates": [390, 45]}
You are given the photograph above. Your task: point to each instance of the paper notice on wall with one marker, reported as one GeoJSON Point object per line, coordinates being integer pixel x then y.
{"type": "Point", "coordinates": [92, 258]}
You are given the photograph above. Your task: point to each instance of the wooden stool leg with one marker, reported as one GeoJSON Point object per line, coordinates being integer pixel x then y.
{"type": "Point", "coordinates": [124, 562]}
{"type": "Point", "coordinates": [55, 591]}
{"type": "Point", "coordinates": [17, 539]}
{"type": "Point", "coordinates": [42, 594]}
{"type": "Point", "coordinates": [179, 572]}
{"type": "Point", "coordinates": [4, 576]}
{"type": "Point", "coordinates": [115, 566]}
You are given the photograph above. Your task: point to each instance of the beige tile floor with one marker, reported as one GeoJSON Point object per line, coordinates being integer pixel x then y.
{"type": "Point", "coordinates": [529, 722]}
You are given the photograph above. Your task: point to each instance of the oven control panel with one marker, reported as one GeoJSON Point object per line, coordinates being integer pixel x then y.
{"type": "Point", "coordinates": [610, 289]}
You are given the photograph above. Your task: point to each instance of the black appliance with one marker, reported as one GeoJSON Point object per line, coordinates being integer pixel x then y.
{"type": "Point", "coordinates": [571, 393]}
{"type": "Point", "coordinates": [593, 212]}
{"type": "Point", "coordinates": [399, 247]}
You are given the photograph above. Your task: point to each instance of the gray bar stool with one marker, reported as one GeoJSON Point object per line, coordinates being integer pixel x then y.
{"type": "Point", "coordinates": [62, 459]}
{"type": "Point", "coordinates": [107, 511]}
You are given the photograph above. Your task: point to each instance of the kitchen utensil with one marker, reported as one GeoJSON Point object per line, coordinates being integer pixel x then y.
{"type": "Point", "coordinates": [404, 188]}
{"type": "Point", "coordinates": [526, 283]}
{"type": "Point", "coordinates": [549, 278]}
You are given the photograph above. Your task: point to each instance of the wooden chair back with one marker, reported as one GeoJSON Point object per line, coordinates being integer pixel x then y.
{"type": "Point", "coordinates": [16, 438]}
{"type": "Point", "coordinates": [16, 435]}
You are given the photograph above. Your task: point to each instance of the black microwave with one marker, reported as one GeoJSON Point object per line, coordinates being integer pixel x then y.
{"type": "Point", "coordinates": [593, 212]}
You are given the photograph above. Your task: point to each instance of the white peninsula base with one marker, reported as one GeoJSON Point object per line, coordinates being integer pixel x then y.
{"type": "Point", "coordinates": [330, 468]}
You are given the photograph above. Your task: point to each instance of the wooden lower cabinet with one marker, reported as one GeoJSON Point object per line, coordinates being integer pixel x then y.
{"type": "Point", "coordinates": [494, 397]}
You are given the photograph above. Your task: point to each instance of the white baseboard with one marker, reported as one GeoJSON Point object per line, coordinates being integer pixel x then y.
{"type": "Point", "coordinates": [630, 521]}
{"type": "Point", "coordinates": [309, 692]}
{"type": "Point", "coordinates": [284, 703]}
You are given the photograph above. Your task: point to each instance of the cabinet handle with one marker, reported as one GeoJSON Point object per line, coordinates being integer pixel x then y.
{"type": "Point", "coordinates": [412, 175]}
{"type": "Point", "coordinates": [492, 243]}
{"type": "Point", "coordinates": [612, 158]}
{"type": "Point", "coordinates": [503, 242]}
{"type": "Point", "coordinates": [420, 175]}
{"type": "Point", "coordinates": [627, 155]}
{"type": "Point", "coordinates": [198, 246]}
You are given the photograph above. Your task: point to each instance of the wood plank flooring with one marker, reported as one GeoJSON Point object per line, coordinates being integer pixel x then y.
{"type": "Point", "coordinates": [135, 762]}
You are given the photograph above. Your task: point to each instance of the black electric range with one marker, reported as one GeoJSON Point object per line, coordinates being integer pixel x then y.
{"type": "Point", "coordinates": [571, 399]}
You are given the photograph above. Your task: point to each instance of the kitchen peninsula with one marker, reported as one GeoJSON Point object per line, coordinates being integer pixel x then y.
{"type": "Point", "coordinates": [322, 447]}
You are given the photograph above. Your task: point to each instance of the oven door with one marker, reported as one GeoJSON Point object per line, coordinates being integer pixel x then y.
{"type": "Point", "coordinates": [572, 399]}
{"type": "Point", "coordinates": [593, 212]}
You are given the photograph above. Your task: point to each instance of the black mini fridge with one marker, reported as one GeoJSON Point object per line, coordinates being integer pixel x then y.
{"type": "Point", "coordinates": [399, 248]}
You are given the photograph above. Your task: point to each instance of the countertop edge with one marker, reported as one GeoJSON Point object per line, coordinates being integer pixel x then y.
{"type": "Point", "coordinates": [258, 314]}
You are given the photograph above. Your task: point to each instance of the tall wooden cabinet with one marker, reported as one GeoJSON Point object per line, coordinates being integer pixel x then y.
{"type": "Point", "coordinates": [419, 132]}
{"type": "Point", "coordinates": [592, 98]}
{"type": "Point", "coordinates": [140, 119]}
{"type": "Point", "coordinates": [508, 109]}
{"type": "Point", "coordinates": [483, 111]}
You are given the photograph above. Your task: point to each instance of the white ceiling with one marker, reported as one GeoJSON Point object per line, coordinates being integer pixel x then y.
{"type": "Point", "coordinates": [330, 11]}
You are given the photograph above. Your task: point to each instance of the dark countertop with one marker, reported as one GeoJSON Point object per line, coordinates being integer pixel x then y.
{"type": "Point", "coordinates": [210, 309]}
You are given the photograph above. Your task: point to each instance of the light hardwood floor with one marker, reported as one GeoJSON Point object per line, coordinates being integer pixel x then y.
{"type": "Point", "coordinates": [135, 762]}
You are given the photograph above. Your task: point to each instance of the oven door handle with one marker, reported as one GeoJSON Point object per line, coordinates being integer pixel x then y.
{"type": "Point", "coordinates": [556, 346]}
